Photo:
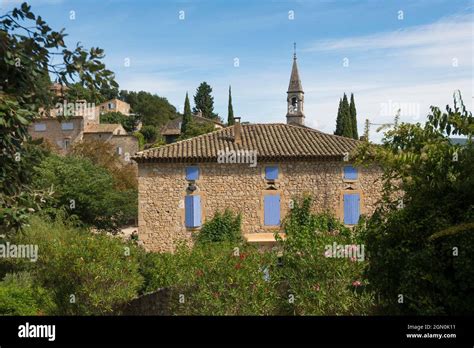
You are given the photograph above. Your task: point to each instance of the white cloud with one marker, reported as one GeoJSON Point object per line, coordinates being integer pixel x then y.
{"type": "Point", "coordinates": [450, 29]}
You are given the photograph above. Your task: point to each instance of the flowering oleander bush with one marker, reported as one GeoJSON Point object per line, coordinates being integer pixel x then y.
{"type": "Point", "coordinates": [322, 272]}
{"type": "Point", "coordinates": [221, 278]}
{"type": "Point", "coordinates": [87, 273]}
{"type": "Point", "coordinates": [298, 277]}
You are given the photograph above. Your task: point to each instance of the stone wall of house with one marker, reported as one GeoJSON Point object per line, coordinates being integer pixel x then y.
{"type": "Point", "coordinates": [99, 136]}
{"type": "Point", "coordinates": [117, 106]}
{"type": "Point", "coordinates": [55, 135]}
{"type": "Point", "coordinates": [162, 189]}
{"type": "Point", "coordinates": [128, 144]}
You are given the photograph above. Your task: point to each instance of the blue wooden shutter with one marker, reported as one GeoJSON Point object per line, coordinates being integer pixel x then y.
{"type": "Point", "coordinates": [351, 208]}
{"type": "Point", "coordinates": [350, 173]}
{"type": "Point", "coordinates": [192, 207]}
{"type": "Point", "coordinates": [271, 210]}
{"type": "Point", "coordinates": [192, 173]}
{"type": "Point", "coordinates": [271, 173]}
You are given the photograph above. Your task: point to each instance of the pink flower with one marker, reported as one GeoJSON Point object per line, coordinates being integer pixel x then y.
{"type": "Point", "coordinates": [353, 259]}
{"type": "Point", "coordinates": [316, 287]}
{"type": "Point", "coordinates": [356, 283]}
{"type": "Point", "coordinates": [328, 253]}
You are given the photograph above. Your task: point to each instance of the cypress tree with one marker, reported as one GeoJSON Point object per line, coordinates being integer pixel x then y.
{"type": "Point", "coordinates": [230, 112]}
{"type": "Point", "coordinates": [187, 116]}
{"type": "Point", "coordinates": [339, 119]}
{"type": "Point", "coordinates": [353, 113]}
{"type": "Point", "coordinates": [346, 118]}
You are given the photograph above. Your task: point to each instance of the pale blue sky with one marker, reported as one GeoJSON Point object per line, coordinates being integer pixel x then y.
{"type": "Point", "coordinates": [416, 61]}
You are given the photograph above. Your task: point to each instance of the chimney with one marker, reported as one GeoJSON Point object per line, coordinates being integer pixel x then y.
{"type": "Point", "coordinates": [237, 131]}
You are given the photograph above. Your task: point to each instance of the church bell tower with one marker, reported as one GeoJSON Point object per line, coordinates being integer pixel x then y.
{"type": "Point", "coordinates": [295, 97]}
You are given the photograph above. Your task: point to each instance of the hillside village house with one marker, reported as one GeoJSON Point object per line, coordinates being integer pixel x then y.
{"type": "Point", "coordinates": [254, 169]}
{"type": "Point", "coordinates": [172, 129]}
{"type": "Point", "coordinates": [114, 105]}
{"type": "Point", "coordinates": [61, 132]}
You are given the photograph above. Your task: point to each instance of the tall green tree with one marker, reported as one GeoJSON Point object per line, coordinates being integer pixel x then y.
{"type": "Point", "coordinates": [187, 116]}
{"type": "Point", "coordinates": [204, 101]}
{"type": "Point", "coordinates": [339, 119]}
{"type": "Point", "coordinates": [346, 118]}
{"type": "Point", "coordinates": [230, 112]}
{"type": "Point", "coordinates": [353, 113]}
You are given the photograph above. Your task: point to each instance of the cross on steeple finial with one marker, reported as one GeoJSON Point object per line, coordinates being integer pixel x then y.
{"type": "Point", "coordinates": [294, 50]}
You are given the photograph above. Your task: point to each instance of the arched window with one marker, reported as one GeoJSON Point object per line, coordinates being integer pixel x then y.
{"type": "Point", "coordinates": [294, 103]}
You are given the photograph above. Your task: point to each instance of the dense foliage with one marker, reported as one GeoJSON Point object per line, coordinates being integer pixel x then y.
{"type": "Point", "coordinates": [420, 239]}
{"type": "Point", "coordinates": [193, 129]}
{"type": "Point", "coordinates": [150, 133]}
{"type": "Point", "coordinates": [320, 280]}
{"type": "Point", "coordinates": [223, 227]}
{"type": "Point", "coordinates": [76, 91]}
{"type": "Point", "coordinates": [103, 154]}
{"type": "Point", "coordinates": [28, 46]}
{"type": "Point", "coordinates": [87, 191]}
{"type": "Point", "coordinates": [129, 122]}
{"type": "Point", "coordinates": [20, 296]}
{"type": "Point", "coordinates": [85, 273]}
{"type": "Point", "coordinates": [152, 109]}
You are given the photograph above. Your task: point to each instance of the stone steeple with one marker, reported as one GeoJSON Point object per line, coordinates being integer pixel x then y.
{"type": "Point", "coordinates": [295, 98]}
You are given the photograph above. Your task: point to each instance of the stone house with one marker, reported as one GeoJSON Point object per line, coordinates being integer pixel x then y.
{"type": "Point", "coordinates": [254, 169]}
{"type": "Point", "coordinates": [71, 122]}
{"type": "Point", "coordinates": [113, 105]}
{"type": "Point", "coordinates": [172, 129]}
{"type": "Point", "coordinates": [62, 132]}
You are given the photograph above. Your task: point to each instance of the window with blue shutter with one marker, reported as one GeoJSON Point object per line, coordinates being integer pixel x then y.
{"type": "Point", "coordinates": [192, 173]}
{"type": "Point", "coordinates": [192, 208]}
{"type": "Point", "coordinates": [271, 173]}
{"type": "Point", "coordinates": [271, 210]}
{"type": "Point", "coordinates": [351, 208]}
{"type": "Point", "coordinates": [350, 173]}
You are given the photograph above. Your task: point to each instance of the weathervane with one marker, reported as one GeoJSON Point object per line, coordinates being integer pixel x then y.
{"type": "Point", "coordinates": [294, 50]}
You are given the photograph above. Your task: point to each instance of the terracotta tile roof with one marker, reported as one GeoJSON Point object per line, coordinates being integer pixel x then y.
{"type": "Point", "coordinates": [271, 141]}
{"type": "Point", "coordinates": [101, 128]}
{"type": "Point", "coordinates": [173, 127]}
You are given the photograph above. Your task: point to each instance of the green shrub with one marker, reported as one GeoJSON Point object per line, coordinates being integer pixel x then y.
{"type": "Point", "coordinates": [141, 140]}
{"type": "Point", "coordinates": [19, 296]}
{"type": "Point", "coordinates": [193, 129]}
{"type": "Point", "coordinates": [222, 227]}
{"type": "Point", "coordinates": [216, 279]}
{"type": "Point", "coordinates": [129, 122]}
{"type": "Point", "coordinates": [88, 191]}
{"type": "Point", "coordinates": [317, 282]}
{"type": "Point", "coordinates": [150, 133]}
{"type": "Point", "coordinates": [95, 272]}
